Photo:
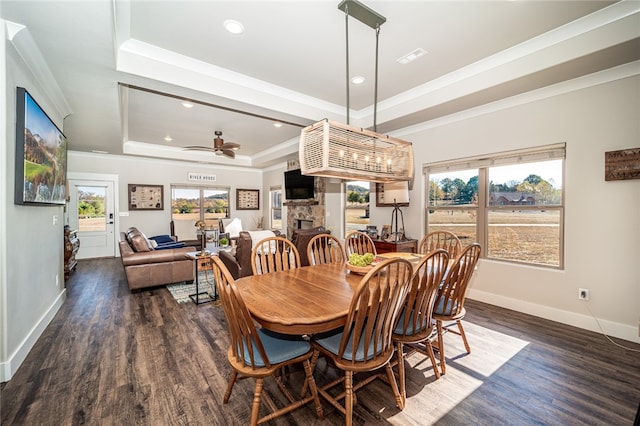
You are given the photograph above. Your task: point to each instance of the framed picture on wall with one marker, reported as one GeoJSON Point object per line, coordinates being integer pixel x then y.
{"type": "Point", "coordinates": [381, 202]}
{"type": "Point", "coordinates": [146, 197]}
{"type": "Point", "coordinates": [248, 199]}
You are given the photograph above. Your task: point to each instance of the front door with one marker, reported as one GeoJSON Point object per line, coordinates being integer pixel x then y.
{"type": "Point", "coordinates": [91, 212]}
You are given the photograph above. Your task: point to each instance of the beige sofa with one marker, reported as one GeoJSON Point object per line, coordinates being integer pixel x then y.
{"type": "Point", "coordinates": [146, 267]}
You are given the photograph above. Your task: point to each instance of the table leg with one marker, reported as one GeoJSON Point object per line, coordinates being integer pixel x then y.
{"type": "Point", "coordinates": [196, 296]}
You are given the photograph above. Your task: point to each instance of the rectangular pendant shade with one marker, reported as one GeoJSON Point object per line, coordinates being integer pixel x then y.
{"type": "Point", "coordinates": [337, 150]}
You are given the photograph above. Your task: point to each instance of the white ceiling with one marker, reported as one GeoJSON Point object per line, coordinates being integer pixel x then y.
{"type": "Point", "coordinates": [123, 67]}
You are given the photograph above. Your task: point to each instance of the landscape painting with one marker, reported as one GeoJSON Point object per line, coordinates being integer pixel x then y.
{"type": "Point", "coordinates": [41, 155]}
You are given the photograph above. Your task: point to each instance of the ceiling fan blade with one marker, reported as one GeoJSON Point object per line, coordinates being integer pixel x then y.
{"type": "Point", "coordinates": [198, 148]}
{"type": "Point", "coordinates": [230, 145]}
{"type": "Point", "coordinates": [229, 153]}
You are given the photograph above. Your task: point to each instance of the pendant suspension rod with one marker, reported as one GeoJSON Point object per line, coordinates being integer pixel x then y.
{"type": "Point", "coordinates": [375, 90]}
{"type": "Point", "coordinates": [346, 27]}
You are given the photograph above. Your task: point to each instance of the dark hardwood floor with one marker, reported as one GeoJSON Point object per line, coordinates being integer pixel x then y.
{"type": "Point", "coordinates": [112, 357]}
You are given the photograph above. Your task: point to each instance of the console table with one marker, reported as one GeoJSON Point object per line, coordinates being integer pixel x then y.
{"type": "Point", "coordinates": [407, 246]}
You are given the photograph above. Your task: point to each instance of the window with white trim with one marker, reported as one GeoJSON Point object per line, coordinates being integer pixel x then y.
{"type": "Point", "coordinates": [199, 203]}
{"type": "Point", "coordinates": [275, 206]}
{"type": "Point", "coordinates": [512, 203]}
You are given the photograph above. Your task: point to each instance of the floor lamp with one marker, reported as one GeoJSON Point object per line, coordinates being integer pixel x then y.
{"type": "Point", "coordinates": [399, 193]}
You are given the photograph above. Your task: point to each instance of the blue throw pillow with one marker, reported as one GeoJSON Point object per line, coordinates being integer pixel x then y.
{"type": "Point", "coordinates": [163, 239]}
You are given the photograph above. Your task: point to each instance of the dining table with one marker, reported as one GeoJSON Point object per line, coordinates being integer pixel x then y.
{"type": "Point", "coordinates": [306, 300]}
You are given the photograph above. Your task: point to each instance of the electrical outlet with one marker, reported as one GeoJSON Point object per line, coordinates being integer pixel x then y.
{"type": "Point", "coordinates": [583, 294]}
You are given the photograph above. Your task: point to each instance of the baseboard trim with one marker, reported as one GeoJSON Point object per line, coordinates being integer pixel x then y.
{"type": "Point", "coordinates": [17, 358]}
{"type": "Point", "coordinates": [586, 322]}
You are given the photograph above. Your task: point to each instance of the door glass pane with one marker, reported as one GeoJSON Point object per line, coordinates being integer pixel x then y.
{"type": "Point", "coordinates": [185, 204]}
{"type": "Point", "coordinates": [357, 203]}
{"type": "Point", "coordinates": [215, 203]}
{"type": "Point", "coordinates": [276, 208]}
{"type": "Point", "coordinates": [91, 208]}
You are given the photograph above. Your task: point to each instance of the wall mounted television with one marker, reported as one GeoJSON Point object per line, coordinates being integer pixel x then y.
{"type": "Point", "coordinates": [298, 186]}
{"type": "Point", "coordinates": [41, 155]}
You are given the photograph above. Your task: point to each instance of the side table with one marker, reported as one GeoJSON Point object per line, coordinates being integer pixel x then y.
{"type": "Point", "coordinates": [407, 246]}
{"type": "Point", "coordinates": [202, 262]}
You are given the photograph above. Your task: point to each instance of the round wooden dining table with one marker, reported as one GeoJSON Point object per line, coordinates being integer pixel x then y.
{"type": "Point", "coordinates": [307, 300]}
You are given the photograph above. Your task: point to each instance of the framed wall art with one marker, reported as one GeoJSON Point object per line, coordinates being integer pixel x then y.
{"type": "Point", "coordinates": [381, 202]}
{"type": "Point", "coordinates": [247, 199]}
{"type": "Point", "coordinates": [622, 165]}
{"type": "Point", "coordinates": [146, 197]}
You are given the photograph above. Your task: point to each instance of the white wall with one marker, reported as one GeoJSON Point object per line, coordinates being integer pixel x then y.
{"type": "Point", "coordinates": [32, 245]}
{"type": "Point", "coordinates": [602, 226]}
{"type": "Point", "coordinates": [155, 172]}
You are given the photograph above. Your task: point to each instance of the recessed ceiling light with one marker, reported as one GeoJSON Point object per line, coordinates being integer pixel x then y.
{"type": "Point", "coordinates": [233, 26]}
{"type": "Point", "coordinates": [358, 79]}
{"type": "Point", "coordinates": [187, 104]}
{"type": "Point", "coordinates": [411, 56]}
{"type": "Point", "coordinates": [277, 124]}
{"type": "Point", "coordinates": [168, 138]}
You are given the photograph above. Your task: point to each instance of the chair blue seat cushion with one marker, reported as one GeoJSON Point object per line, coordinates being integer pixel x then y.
{"type": "Point", "coordinates": [440, 309]}
{"type": "Point", "coordinates": [331, 342]}
{"type": "Point", "coordinates": [400, 325]}
{"type": "Point", "coordinates": [278, 347]}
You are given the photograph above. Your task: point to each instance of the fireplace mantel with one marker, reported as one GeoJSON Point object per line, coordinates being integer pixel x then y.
{"type": "Point", "coordinates": [300, 203]}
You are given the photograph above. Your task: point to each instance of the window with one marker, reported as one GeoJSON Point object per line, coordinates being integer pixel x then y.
{"type": "Point", "coordinates": [199, 203]}
{"type": "Point", "coordinates": [356, 213]}
{"type": "Point", "coordinates": [275, 201]}
{"type": "Point", "coordinates": [511, 203]}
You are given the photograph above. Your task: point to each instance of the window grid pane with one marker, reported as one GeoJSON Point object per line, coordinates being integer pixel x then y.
{"type": "Point", "coordinates": [356, 214]}
{"type": "Point", "coordinates": [530, 236]}
{"type": "Point", "coordinates": [517, 216]}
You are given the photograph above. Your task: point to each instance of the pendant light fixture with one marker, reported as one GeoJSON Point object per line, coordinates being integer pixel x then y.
{"type": "Point", "coordinates": [332, 149]}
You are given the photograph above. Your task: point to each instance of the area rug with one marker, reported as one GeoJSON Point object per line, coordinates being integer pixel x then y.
{"type": "Point", "coordinates": [181, 291]}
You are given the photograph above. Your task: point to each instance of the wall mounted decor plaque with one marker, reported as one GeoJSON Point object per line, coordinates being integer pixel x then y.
{"type": "Point", "coordinates": [622, 165]}
{"type": "Point", "coordinates": [248, 199]}
{"type": "Point", "coordinates": [146, 197]}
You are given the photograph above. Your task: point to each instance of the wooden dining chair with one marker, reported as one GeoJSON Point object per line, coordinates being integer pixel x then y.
{"type": "Point", "coordinates": [415, 328]}
{"type": "Point", "coordinates": [441, 240]}
{"type": "Point", "coordinates": [359, 242]}
{"type": "Point", "coordinates": [258, 354]}
{"type": "Point", "coordinates": [449, 304]}
{"type": "Point", "coordinates": [364, 343]}
{"type": "Point", "coordinates": [324, 248]}
{"type": "Point", "coordinates": [274, 254]}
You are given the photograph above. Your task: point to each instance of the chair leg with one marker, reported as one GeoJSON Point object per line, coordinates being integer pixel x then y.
{"type": "Point", "coordinates": [432, 357]}
{"type": "Point", "coordinates": [348, 398]}
{"type": "Point", "coordinates": [394, 387]}
{"type": "Point", "coordinates": [232, 381]}
{"type": "Point", "coordinates": [443, 365]}
{"type": "Point", "coordinates": [314, 361]}
{"type": "Point", "coordinates": [401, 372]}
{"type": "Point", "coordinates": [314, 390]}
{"type": "Point", "coordinates": [255, 407]}
{"type": "Point", "coordinates": [464, 337]}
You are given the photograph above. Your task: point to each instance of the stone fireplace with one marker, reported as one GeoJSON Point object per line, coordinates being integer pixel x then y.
{"type": "Point", "coordinates": [303, 214]}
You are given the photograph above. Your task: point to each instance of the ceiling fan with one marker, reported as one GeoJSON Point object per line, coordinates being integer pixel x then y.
{"type": "Point", "coordinates": [220, 147]}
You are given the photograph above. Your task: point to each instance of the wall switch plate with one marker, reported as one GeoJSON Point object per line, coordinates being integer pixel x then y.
{"type": "Point", "coordinates": [124, 213]}
{"type": "Point", "coordinates": [55, 220]}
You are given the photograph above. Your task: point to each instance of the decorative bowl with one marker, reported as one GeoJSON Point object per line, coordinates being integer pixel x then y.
{"type": "Point", "coordinates": [360, 270]}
